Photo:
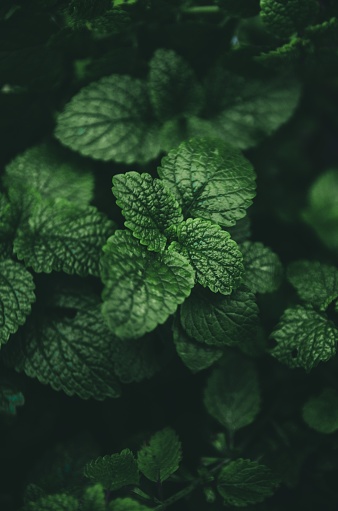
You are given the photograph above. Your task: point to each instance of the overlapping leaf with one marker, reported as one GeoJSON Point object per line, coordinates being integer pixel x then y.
{"type": "Point", "coordinates": [115, 471]}
{"type": "Point", "coordinates": [286, 18]}
{"type": "Point", "coordinates": [263, 269]}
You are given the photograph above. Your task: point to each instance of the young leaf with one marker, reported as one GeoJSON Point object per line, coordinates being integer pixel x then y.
{"type": "Point", "coordinates": [115, 471]}
{"type": "Point", "coordinates": [304, 338]}
{"type": "Point", "coordinates": [287, 17]}
{"type": "Point", "coordinates": [110, 120]}
{"type": "Point", "coordinates": [232, 395]}
{"type": "Point", "coordinates": [94, 499]}
{"type": "Point", "coordinates": [16, 297]}
{"type": "Point", "coordinates": [142, 288]}
{"type": "Point", "coordinates": [210, 180]}
{"type": "Point", "coordinates": [213, 255]}
{"type": "Point", "coordinates": [315, 282]}
{"type": "Point", "coordinates": [321, 412]}
{"type": "Point", "coordinates": [263, 269]}
{"type": "Point", "coordinates": [148, 207]}
{"type": "Point", "coordinates": [127, 504]}
{"type": "Point", "coordinates": [243, 482]}
{"type": "Point", "coordinates": [173, 87]}
{"type": "Point", "coordinates": [220, 320]}
{"type": "Point", "coordinates": [58, 502]}
{"type": "Point", "coordinates": [64, 237]}
{"type": "Point", "coordinates": [161, 456]}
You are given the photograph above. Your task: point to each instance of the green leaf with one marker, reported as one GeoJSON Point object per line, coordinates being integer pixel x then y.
{"type": "Point", "coordinates": [10, 399]}
{"type": "Point", "coordinates": [64, 237]}
{"type": "Point", "coordinates": [110, 120]}
{"type": "Point", "coordinates": [115, 471]}
{"type": "Point", "coordinates": [304, 338]}
{"type": "Point", "coordinates": [320, 412]}
{"type": "Point", "coordinates": [161, 456]}
{"type": "Point", "coordinates": [213, 255]}
{"type": "Point", "coordinates": [263, 269]}
{"type": "Point", "coordinates": [243, 482]}
{"type": "Point", "coordinates": [94, 499]}
{"type": "Point", "coordinates": [287, 17]}
{"type": "Point", "coordinates": [315, 282]}
{"type": "Point", "coordinates": [194, 355]}
{"type": "Point", "coordinates": [148, 207]}
{"type": "Point", "coordinates": [285, 57]}
{"type": "Point", "coordinates": [9, 220]}
{"type": "Point", "coordinates": [58, 502]}
{"type": "Point", "coordinates": [142, 288]}
{"type": "Point", "coordinates": [232, 395]}
{"type": "Point", "coordinates": [127, 504]}
{"type": "Point", "coordinates": [173, 86]}
{"type": "Point", "coordinates": [220, 320]}
{"type": "Point", "coordinates": [210, 180]}
{"type": "Point", "coordinates": [241, 231]}
{"type": "Point", "coordinates": [16, 297]}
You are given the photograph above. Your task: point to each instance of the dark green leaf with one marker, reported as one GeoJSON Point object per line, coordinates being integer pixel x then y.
{"type": "Point", "coordinates": [115, 471]}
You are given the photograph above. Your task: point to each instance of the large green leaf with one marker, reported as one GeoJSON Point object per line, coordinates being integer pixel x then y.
{"type": "Point", "coordinates": [142, 288]}
{"type": "Point", "coordinates": [115, 471]}
{"type": "Point", "coordinates": [263, 269]}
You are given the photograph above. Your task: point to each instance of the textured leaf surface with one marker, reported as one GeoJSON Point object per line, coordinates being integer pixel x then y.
{"type": "Point", "coordinates": [127, 504]}
{"type": "Point", "coordinates": [263, 269]}
{"type": "Point", "coordinates": [110, 120]}
{"type": "Point", "coordinates": [94, 499]}
{"type": "Point", "coordinates": [16, 297]}
{"type": "Point", "coordinates": [173, 86]}
{"type": "Point", "coordinates": [284, 18]}
{"type": "Point", "coordinates": [148, 207]}
{"type": "Point", "coordinates": [220, 320]}
{"type": "Point", "coordinates": [114, 471]}
{"type": "Point", "coordinates": [161, 457]}
{"type": "Point", "coordinates": [243, 482]}
{"type": "Point", "coordinates": [63, 237]}
{"type": "Point", "coordinates": [142, 288]}
{"type": "Point", "coordinates": [320, 412]}
{"type": "Point", "coordinates": [210, 180]}
{"type": "Point", "coordinates": [304, 338]}
{"type": "Point", "coordinates": [232, 394]}
{"type": "Point", "coordinates": [214, 256]}
{"type": "Point", "coordinates": [58, 502]}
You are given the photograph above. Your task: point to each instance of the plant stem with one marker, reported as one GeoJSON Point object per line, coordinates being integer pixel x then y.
{"type": "Point", "coordinates": [177, 496]}
{"type": "Point", "coordinates": [202, 9]}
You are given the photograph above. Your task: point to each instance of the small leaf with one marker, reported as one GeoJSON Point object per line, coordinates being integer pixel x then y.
{"type": "Point", "coordinates": [16, 297]}
{"type": "Point", "coordinates": [243, 482]}
{"type": "Point", "coordinates": [263, 269]}
{"type": "Point", "coordinates": [321, 412]}
{"type": "Point", "coordinates": [304, 338]}
{"type": "Point", "coordinates": [214, 256]}
{"type": "Point", "coordinates": [115, 471]}
{"type": "Point", "coordinates": [142, 288]}
{"type": "Point", "coordinates": [232, 395]}
{"type": "Point", "coordinates": [161, 456]}
{"type": "Point", "coordinates": [127, 504]}
{"type": "Point", "coordinates": [210, 180]}
{"type": "Point", "coordinates": [148, 207]}
{"type": "Point", "coordinates": [58, 502]}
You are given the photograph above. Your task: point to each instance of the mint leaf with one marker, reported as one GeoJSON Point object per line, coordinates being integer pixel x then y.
{"type": "Point", "coordinates": [243, 482]}
{"type": "Point", "coordinates": [209, 180]}
{"type": "Point", "coordinates": [110, 120]}
{"type": "Point", "coordinates": [287, 17]}
{"type": "Point", "coordinates": [320, 412]}
{"type": "Point", "coordinates": [232, 395]}
{"type": "Point", "coordinates": [142, 288]}
{"type": "Point", "coordinates": [16, 297]}
{"type": "Point", "coordinates": [161, 456]}
{"type": "Point", "coordinates": [304, 338]}
{"type": "Point", "coordinates": [127, 504]}
{"type": "Point", "coordinates": [173, 87]}
{"type": "Point", "coordinates": [220, 320]}
{"type": "Point", "coordinates": [213, 255]}
{"type": "Point", "coordinates": [64, 237]}
{"type": "Point", "coordinates": [315, 282]}
{"type": "Point", "coordinates": [94, 499]}
{"type": "Point", "coordinates": [58, 502]}
{"type": "Point", "coordinates": [148, 207]}
{"type": "Point", "coordinates": [263, 269]}
{"type": "Point", "coordinates": [115, 471]}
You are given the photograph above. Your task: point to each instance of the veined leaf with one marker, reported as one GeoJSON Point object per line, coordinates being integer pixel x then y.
{"type": "Point", "coordinates": [210, 180]}
{"type": "Point", "coordinates": [286, 18]}
{"type": "Point", "coordinates": [142, 288]}
{"type": "Point", "coordinates": [9, 220]}
{"type": "Point", "coordinates": [214, 256]}
{"type": "Point", "coordinates": [115, 471]}
{"type": "Point", "coordinates": [263, 269]}
{"type": "Point", "coordinates": [321, 412]}
{"type": "Point", "coordinates": [148, 207]}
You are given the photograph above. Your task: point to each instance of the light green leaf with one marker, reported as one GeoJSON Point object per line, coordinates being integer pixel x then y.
{"type": "Point", "coordinates": [16, 297]}
{"type": "Point", "coordinates": [173, 86]}
{"type": "Point", "coordinates": [304, 338]}
{"type": "Point", "coordinates": [142, 288]}
{"type": "Point", "coordinates": [285, 18]}
{"type": "Point", "coordinates": [110, 120]}
{"type": "Point", "coordinates": [94, 499]}
{"type": "Point", "coordinates": [115, 471]}
{"type": "Point", "coordinates": [161, 456]}
{"type": "Point", "coordinates": [320, 412]}
{"type": "Point", "coordinates": [148, 207]}
{"type": "Point", "coordinates": [58, 502]}
{"type": "Point", "coordinates": [220, 320]}
{"type": "Point", "coordinates": [315, 282]}
{"type": "Point", "coordinates": [127, 504]}
{"type": "Point", "coordinates": [243, 482]}
{"type": "Point", "coordinates": [263, 269]}
{"type": "Point", "coordinates": [232, 395]}
{"type": "Point", "coordinates": [214, 256]}
{"type": "Point", "coordinates": [210, 180]}
{"type": "Point", "coordinates": [64, 237]}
